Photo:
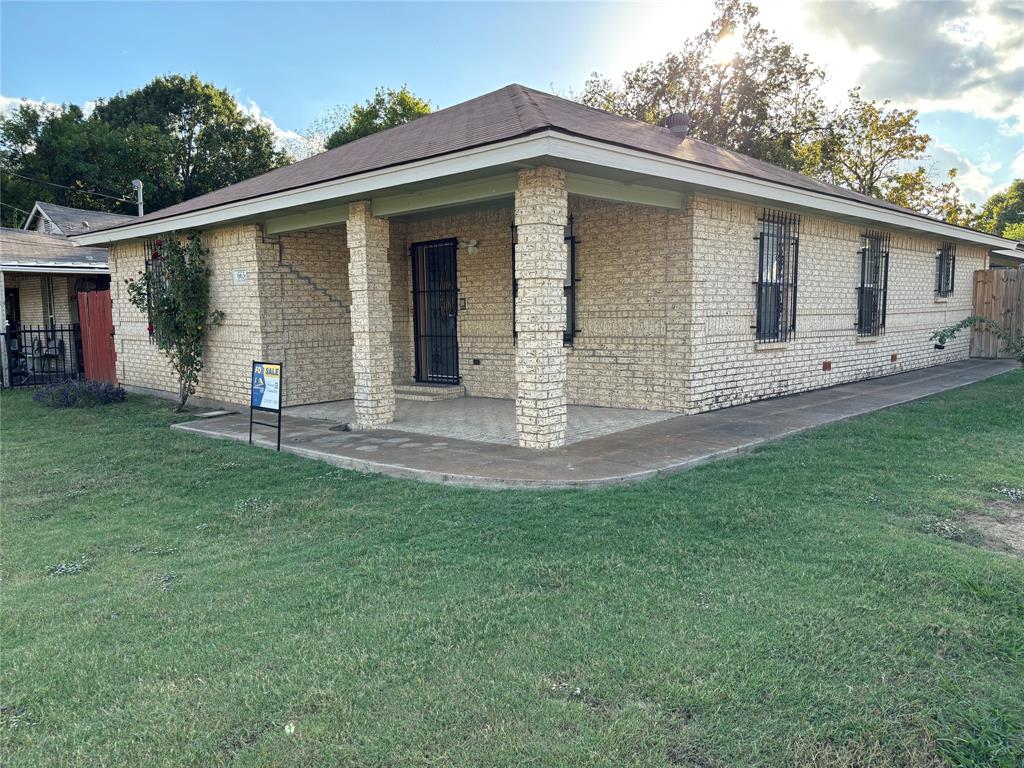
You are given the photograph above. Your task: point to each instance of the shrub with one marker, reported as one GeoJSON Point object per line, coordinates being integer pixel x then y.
{"type": "Point", "coordinates": [74, 393]}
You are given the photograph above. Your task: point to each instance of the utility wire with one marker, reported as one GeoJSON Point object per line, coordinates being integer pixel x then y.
{"type": "Point", "coordinates": [64, 186]}
{"type": "Point", "coordinates": [14, 207]}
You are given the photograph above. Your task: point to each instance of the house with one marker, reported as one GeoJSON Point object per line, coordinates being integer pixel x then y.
{"type": "Point", "coordinates": [519, 245]}
{"type": "Point", "coordinates": [1007, 258]}
{"type": "Point", "coordinates": [41, 273]}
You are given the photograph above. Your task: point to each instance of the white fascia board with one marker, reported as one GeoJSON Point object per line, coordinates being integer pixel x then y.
{"type": "Point", "coordinates": [606, 189]}
{"type": "Point", "coordinates": [599, 153]}
{"type": "Point", "coordinates": [44, 269]}
{"type": "Point", "coordinates": [544, 144]}
{"type": "Point", "coordinates": [491, 188]}
{"type": "Point", "coordinates": [321, 217]}
{"type": "Point", "coordinates": [356, 187]}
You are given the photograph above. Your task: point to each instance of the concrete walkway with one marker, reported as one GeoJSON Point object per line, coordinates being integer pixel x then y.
{"type": "Point", "coordinates": [669, 445]}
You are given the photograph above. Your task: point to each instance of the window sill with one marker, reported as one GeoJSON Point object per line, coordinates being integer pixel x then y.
{"type": "Point", "coordinates": [766, 346]}
{"type": "Point", "coordinates": [869, 339]}
{"type": "Point", "coordinates": [941, 299]}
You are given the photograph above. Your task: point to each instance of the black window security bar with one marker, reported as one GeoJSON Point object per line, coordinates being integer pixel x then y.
{"type": "Point", "coordinates": [778, 253]}
{"type": "Point", "coordinates": [155, 268]}
{"type": "Point", "coordinates": [945, 269]}
{"type": "Point", "coordinates": [569, 284]}
{"type": "Point", "coordinates": [874, 284]}
{"type": "Point", "coordinates": [515, 283]}
{"type": "Point", "coordinates": [38, 355]}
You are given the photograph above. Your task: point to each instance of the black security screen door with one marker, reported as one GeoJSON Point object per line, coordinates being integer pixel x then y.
{"type": "Point", "coordinates": [435, 295]}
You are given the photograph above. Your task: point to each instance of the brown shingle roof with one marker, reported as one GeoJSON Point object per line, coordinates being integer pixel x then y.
{"type": "Point", "coordinates": [27, 249]}
{"type": "Point", "coordinates": [508, 113]}
{"type": "Point", "coordinates": [76, 221]}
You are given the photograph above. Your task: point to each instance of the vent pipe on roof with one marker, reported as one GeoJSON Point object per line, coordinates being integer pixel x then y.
{"type": "Point", "coordinates": [137, 186]}
{"type": "Point", "coordinates": [679, 124]}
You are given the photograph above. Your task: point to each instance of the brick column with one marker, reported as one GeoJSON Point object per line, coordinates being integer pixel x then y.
{"type": "Point", "coordinates": [369, 278]}
{"type": "Point", "coordinates": [541, 256]}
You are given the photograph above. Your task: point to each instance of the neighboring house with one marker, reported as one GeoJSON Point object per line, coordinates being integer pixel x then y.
{"type": "Point", "coordinates": [524, 246]}
{"type": "Point", "coordinates": [42, 273]}
{"type": "Point", "coordinates": [1007, 258]}
{"type": "Point", "coordinates": [53, 219]}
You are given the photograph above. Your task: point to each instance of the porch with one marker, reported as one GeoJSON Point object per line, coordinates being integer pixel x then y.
{"type": "Point", "coordinates": [482, 287]}
{"type": "Point", "coordinates": [620, 451]}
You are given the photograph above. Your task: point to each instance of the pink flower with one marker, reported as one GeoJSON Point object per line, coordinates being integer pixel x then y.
{"type": "Point", "coordinates": [149, 328]}
{"type": "Point", "coordinates": [159, 243]}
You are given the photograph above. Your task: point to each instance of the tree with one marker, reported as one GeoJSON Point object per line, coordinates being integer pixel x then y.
{"type": "Point", "coordinates": [181, 136]}
{"type": "Point", "coordinates": [387, 108]}
{"type": "Point", "coordinates": [744, 89]}
{"type": "Point", "coordinates": [174, 291]}
{"type": "Point", "coordinates": [871, 148]}
{"type": "Point", "coordinates": [188, 136]}
{"type": "Point", "coordinates": [1014, 231]}
{"type": "Point", "coordinates": [1004, 211]}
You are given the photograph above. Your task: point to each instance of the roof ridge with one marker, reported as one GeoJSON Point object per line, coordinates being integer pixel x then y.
{"type": "Point", "coordinates": [527, 104]}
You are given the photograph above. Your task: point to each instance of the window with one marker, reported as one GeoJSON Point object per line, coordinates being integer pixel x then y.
{"type": "Point", "coordinates": [778, 245]}
{"type": "Point", "coordinates": [874, 284]}
{"type": "Point", "coordinates": [49, 316]}
{"type": "Point", "coordinates": [568, 283]}
{"type": "Point", "coordinates": [945, 268]}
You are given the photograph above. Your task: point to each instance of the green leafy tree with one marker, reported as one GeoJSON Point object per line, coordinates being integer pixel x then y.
{"type": "Point", "coordinates": [187, 138]}
{"type": "Point", "coordinates": [387, 108]}
{"type": "Point", "coordinates": [175, 294]}
{"type": "Point", "coordinates": [1014, 231]}
{"type": "Point", "coordinates": [872, 148]}
{"type": "Point", "coordinates": [1004, 211]}
{"type": "Point", "coordinates": [181, 136]}
{"type": "Point", "coordinates": [744, 88]}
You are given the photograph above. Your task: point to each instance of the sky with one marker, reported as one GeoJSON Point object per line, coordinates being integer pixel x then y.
{"type": "Point", "coordinates": [960, 62]}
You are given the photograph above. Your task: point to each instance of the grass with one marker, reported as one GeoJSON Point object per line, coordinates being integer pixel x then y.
{"type": "Point", "coordinates": [175, 601]}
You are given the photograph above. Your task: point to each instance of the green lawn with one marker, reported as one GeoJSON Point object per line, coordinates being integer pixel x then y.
{"type": "Point", "coordinates": [220, 604]}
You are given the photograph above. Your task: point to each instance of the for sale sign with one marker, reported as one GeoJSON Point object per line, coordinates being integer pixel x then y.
{"type": "Point", "coordinates": [266, 386]}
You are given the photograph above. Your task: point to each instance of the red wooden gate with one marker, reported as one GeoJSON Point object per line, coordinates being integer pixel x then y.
{"type": "Point", "coordinates": [98, 354]}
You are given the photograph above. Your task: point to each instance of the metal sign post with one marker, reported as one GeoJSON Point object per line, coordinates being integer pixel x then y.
{"type": "Point", "coordinates": [265, 394]}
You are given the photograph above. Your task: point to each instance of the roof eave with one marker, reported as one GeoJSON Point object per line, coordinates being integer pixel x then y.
{"type": "Point", "coordinates": [553, 144]}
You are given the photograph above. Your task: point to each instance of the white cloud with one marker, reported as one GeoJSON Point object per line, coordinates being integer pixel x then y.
{"type": "Point", "coordinates": [963, 55]}
{"type": "Point", "coordinates": [1017, 165]}
{"type": "Point", "coordinates": [292, 142]}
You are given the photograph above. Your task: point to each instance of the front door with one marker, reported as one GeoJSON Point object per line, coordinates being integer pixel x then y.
{"type": "Point", "coordinates": [435, 295]}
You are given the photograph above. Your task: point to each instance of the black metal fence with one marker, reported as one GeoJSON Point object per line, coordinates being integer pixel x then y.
{"type": "Point", "coordinates": [38, 355]}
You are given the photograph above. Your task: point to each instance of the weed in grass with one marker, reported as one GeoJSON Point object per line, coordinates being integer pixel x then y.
{"type": "Point", "coordinates": [1013, 494]}
{"type": "Point", "coordinates": [254, 505]}
{"type": "Point", "coordinates": [947, 529]}
{"type": "Point", "coordinates": [979, 736]}
{"type": "Point", "coordinates": [73, 568]}
{"type": "Point", "coordinates": [13, 718]}
{"type": "Point", "coordinates": [166, 581]}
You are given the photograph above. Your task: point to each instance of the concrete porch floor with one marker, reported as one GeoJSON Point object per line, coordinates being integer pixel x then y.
{"type": "Point", "coordinates": [483, 419]}
{"type": "Point", "coordinates": [613, 451]}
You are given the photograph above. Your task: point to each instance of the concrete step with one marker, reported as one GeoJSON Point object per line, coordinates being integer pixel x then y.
{"type": "Point", "coordinates": [429, 393]}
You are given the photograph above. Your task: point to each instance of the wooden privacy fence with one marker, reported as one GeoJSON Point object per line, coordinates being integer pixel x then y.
{"type": "Point", "coordinates": [998, 296]}
{"type": "Point", "coordinates": [94, 310]}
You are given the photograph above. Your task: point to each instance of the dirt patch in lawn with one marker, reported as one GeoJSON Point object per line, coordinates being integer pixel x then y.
{"type": "Point", "coordinates": [1004, 528]}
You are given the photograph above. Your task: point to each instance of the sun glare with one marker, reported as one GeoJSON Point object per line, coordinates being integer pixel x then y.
{"type": "Point", "coordinates": [725, 49]}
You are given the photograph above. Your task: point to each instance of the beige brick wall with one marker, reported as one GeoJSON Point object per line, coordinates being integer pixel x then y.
{"type": "Point", "coordinates": [232, 346]}
{"type": "Point", "coordinates": [305, 302]}
{"type": "Point", "coordinates": [658, 290]}
{"type": "Point", "coordinates": [729, 367]}
{"type": "Point", "coordinates": [30, 297]}
{"type": "Point", "coordinates": [485, 285]}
